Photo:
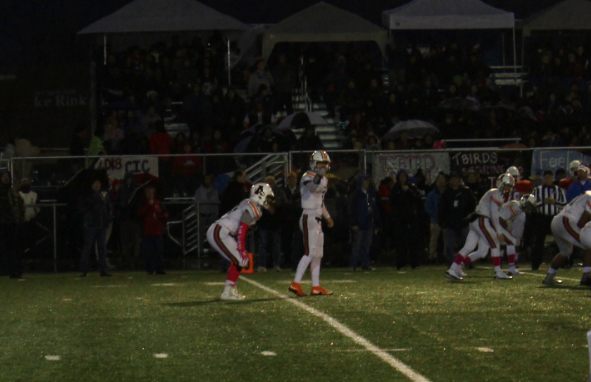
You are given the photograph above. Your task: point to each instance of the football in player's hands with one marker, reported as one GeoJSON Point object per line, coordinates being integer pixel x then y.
{"type": "Point", "coordinates": [322, 171]}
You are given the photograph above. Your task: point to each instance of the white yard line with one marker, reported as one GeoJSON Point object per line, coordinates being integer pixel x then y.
{"type": "Point", "coordinates": [538, 274]}
{"type": "Point", "coordinates": [382, 354]}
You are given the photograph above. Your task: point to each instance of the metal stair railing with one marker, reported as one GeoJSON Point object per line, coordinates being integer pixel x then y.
{"type": "Point", "coordinates": [190, 225]}
{"type": "Point", "coordinates": [272, 164]}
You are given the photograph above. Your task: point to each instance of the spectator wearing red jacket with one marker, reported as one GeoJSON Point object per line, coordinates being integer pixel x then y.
{"type": "Point", "coordinates": [161, 144]}
{"type": "Point", "coordinates": [155, 216]}
{"type": "Point", "coordinates": [185, 170]}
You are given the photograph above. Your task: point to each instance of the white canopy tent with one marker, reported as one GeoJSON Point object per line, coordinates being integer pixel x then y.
{"type": "Point", "coordinates": [449, 15]}
{"type": "Point", "coordinates": [323, 22]}
{"type": "Point", "coordinates": [161, 17]}
{"type": "Point", "coordinates": [164, 16]}
{"type": "Point", "coordinates": [566, 15]}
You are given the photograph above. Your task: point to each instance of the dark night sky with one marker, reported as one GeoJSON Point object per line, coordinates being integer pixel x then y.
{"type": "Point", "coordinates": [44, 31]}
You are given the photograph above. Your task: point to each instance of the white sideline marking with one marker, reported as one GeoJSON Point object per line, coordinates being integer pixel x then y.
{"type": "Point", "coordinates": [66, 299]}
{"type": "Point", "coordinates": [160, 355]}
{"type": "Point", "coordinates": [310, 282]}
{"type": "Point", "coordinates": [109, 286]}
{"type": "Point", "coordinates": [485, 350]}
{"type": "Point", "coordinates": [53, 357]}
{"type": "Point", "coordinates": [167, 284]}
{"type": "Point", "coordinates": [215, 283]}
{"type": "Point", "coordinates": [268, 353]}
{"type": "Point", "coordinates": [395, 363]}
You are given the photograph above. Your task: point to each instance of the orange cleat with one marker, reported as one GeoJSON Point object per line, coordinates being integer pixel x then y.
{"type": "Point", "coordinates": [320, 291]}
{"type": "Point", "coordinates": [297, 289]}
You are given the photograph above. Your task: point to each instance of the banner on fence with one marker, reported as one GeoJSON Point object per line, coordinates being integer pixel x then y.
{"type": "Point", "coordinates": [117, 166]}
{"type": "Point", "coordinates": [389, 164]}
{"type": "Point", "coordinates": [547, 159]}
{"type": "Point", "coordinates": [489, 163]}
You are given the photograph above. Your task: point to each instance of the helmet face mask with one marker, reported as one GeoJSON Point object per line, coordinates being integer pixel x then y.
{"type": "Point", "coordinates": [505, 183]}
{"type": "Point", "coordinates": [262, 194]}
{"type": "Point", "coordinates": [318, 158]}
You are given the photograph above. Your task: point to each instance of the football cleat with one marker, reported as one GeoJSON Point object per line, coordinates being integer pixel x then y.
{"type": "Point", "coordinates": [514, 272]}
{"type": "Point", "coordinates": [231, 293]}
{"type": "Point", "coordinates": [460, 272]}
{"type": "Point", "coordinates": [453, 275]}
{"type": "Point", "coordinates": [297, 289]}
{"type": "Point", "coordinates": [585, 281]}
{"type": "Point", "coordinates": [551, 281]}
{"type": "Point", "coordinates": [502, 276]}
{"type": "Point", "coordinates": [320, 291]}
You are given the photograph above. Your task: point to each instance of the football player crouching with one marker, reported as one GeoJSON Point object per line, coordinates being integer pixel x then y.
{"type": "Point", "coordinates": [228, 235]}
{"type": "Point", "coordinates": [485, 229]}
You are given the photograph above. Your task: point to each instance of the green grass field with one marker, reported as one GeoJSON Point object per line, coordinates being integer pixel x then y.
{"type": "Point", "coordinates": [112, 329]}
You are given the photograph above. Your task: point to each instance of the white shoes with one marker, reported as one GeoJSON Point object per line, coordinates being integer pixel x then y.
{"type": "Point", "coordinates": [231, 293]}
{"type": "Point", "coordinates": [261, 269]}
{"type": "Point", "coordinates": [514, 272]}
{"type": "Point", "coordinates": [500, 275]}
{"type": "Point", "coordinates": [461, 272]}
{"type": "Point", "coordinates": [453, 275]}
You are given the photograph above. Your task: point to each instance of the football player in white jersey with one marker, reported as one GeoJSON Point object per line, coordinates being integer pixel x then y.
{"type": "Point", "coordinates": [512, 228]}
{"type": "Point", "coordinates": [228, 234]}
{"type": "Point", "coordinates": [313, 186]}
{"type": "Point", "coordinates": [566, 228]}
{"type": "Point", "coordinates": [485, 225]}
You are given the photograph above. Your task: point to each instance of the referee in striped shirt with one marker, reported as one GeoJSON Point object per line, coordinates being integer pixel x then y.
{"type": "Point", "coordinates": [550, 199]}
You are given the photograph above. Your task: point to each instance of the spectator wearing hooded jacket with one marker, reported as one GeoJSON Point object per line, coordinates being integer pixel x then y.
{"type": "Point", "coordinates": [154, 216]}
{"type": "Point", "coordinates": [12, 213]}
{"type": "Point", "coordinates": [364, 216]}
{"type": "Point", "coordinates": [406, 205]}
{"type": "Point", "coordinates": [97, 208]}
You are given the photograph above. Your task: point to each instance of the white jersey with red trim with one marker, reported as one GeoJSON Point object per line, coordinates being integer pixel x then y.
{"type": "Point", "coordinates": [578, 206]}
{"type": "Point", "coordinates": [510, 211]}
{"type": "Point", "coordinates": [313, 194]}
{"type": "Point", "coordinates": [493, 198]}
{"type": "Point", "coordinates": [231, 220]}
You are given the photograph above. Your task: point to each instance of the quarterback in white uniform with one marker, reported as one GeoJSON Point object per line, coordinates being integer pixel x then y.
{"type": "Point", "coordinates": [228, 234]}
{"type": "Point", "coordinates": [512, 229]}
{"type": "Point", "coordinates": [486, 227]}
{"type": "Point", "coordinates": [566, 228]}
{"type": "Point", "coordinates": [313, 186]}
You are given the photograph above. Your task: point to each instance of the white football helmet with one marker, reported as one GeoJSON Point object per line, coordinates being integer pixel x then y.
{"type": "Point", "coordinates": [514, 172]}
{"type": "Point", "coordinates": [319, 156]}
{"type": "Point", "coordinates": [505, 183]}
{"type": "Point", "coordinates": [527, 199]}
{"type": "Point", "coordinates": [574, 165]}
{"type": "Point", "coordinates": [260, 193]}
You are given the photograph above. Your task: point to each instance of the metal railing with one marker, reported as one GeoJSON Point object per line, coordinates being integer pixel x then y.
{"type": "Point", "coordinates": [188, 219]}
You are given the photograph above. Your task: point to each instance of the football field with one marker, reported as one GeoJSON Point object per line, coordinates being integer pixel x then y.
{"type": "Point", "coordinates": [378, 326]}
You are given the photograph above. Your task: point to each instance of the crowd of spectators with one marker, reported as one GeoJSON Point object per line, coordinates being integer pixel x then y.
{"type": "Point", "coordinates": [450, 85]}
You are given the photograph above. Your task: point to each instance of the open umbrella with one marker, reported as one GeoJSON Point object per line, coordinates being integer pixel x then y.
{"type": "Point", "coordinates": [414, 127]}
{"type": "Point", "coordinates": [302, 119]}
